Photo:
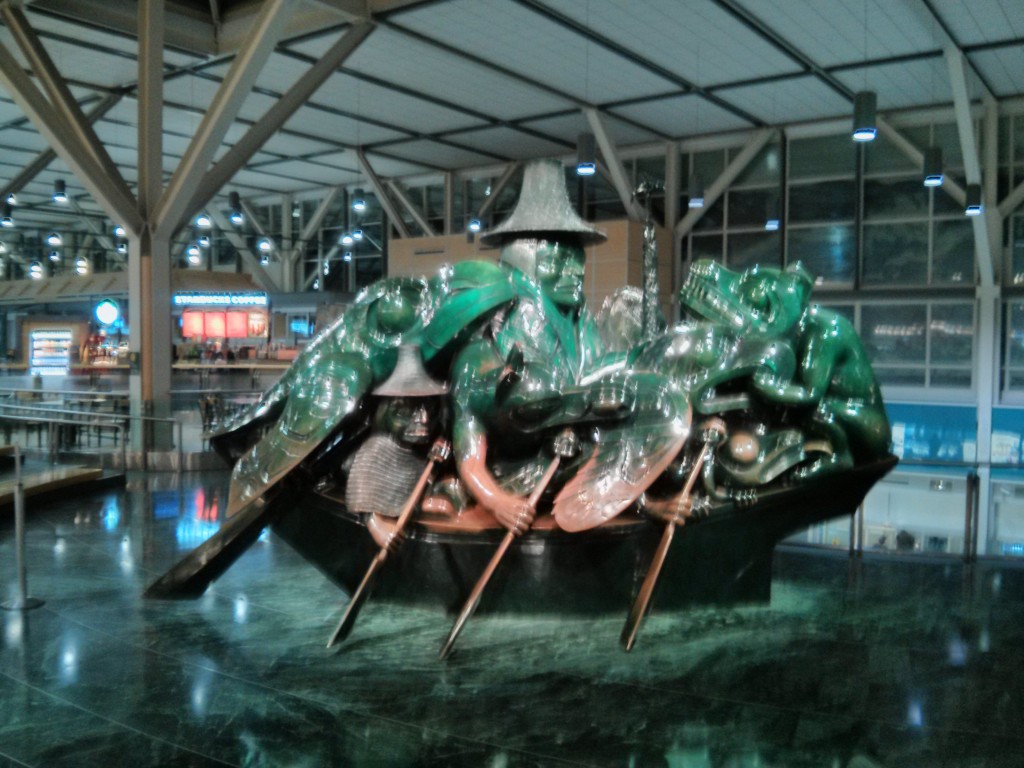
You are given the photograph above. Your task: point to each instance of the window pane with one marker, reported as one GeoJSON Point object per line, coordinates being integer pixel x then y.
{"type": "Point", "coordinates": [894, 333]}
{"type": "Point", "coordinates": [846, 310]}
{"type": "Point", "coordinates": [822, 156]}
{"type": "Point", "coordinates": [707, 247]}
{"type": "Point", "coordinates": [896, 254]}
{"type": "Point", "coordinates": [714, 217]}
{"type": "Point", "coordinates": [746, 250]}
{"type": "Point", "coordinates": [367, 271]}
{"type": "Point", "coordinates": [953, 248]}
{"type": "Point", "coordinates": [952, 333]}
{"type": "Point", "coordinates": [763, 169]}
{"type": "Point", "coordinates": [1015, 351]}
{"type": "Point", "coordinates": [826, 252]}
{"type": "Point", "coordinates": [1017, 247]}
{"type": "Point", "coordinates": [957, 378]}
{"type": "Point", "coordinates": [709, 164]}
{"type": "Point", "coordinates": [824, 201]}
{"type": "Point", "coordinates": [944, 205]}
{"type": "Point", "coordinates": [890, 198]}
{"type": "Point", "coordinates": [900, 377]}
{"type": "Point", "coordinates": [882, 157]}
{"type": "Point", "coordinates": [747, 208]}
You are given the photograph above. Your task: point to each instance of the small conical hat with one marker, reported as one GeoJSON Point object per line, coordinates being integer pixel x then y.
{"type": "Point", "coordinates": [410, 378]}
{"type": "Point", "coordinates": [543, 208]}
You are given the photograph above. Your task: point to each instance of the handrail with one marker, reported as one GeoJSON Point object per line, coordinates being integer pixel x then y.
{"type": "Point", "coordinates": [72, 422]}
{"type": "Point", "coordinates": [110, 418]}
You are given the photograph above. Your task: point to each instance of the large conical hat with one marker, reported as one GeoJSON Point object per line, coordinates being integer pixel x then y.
{"type": "Point", "coordinates": [543, 209]}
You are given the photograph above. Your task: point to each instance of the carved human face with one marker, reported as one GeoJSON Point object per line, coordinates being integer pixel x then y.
{"type": "Point", "coordinates": [560, 268]}
{"type": "Point", "coordinates": [410, 420]}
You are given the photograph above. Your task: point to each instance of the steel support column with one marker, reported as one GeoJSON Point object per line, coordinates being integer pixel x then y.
{"type": "Point", "coordinates": [718, 187]}
{"type": "Point", "coordinates": [382, 195]}
{"type": "Point", "coordinates": [233, 90]}
{"type": "Point", "coordinates": [620, 179]}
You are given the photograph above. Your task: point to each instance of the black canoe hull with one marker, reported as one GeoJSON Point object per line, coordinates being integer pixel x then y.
{"type": "Point", "coordinates": [722, 559]}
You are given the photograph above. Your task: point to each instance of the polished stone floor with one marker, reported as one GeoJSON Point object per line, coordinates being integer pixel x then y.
{"type": "Point", "coordinates": [889, 663]}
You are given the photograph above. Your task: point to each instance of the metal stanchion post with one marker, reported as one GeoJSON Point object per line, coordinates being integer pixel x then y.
{"type": "Point", "coordinates": [23, 602]}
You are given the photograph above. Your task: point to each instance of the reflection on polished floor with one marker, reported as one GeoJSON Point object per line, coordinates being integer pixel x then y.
{"type": "Point", "coordinates": [889, 663]}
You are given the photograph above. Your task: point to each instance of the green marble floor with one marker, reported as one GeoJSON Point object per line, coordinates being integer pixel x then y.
{"type": "Point", "coordinates": [894, 664]}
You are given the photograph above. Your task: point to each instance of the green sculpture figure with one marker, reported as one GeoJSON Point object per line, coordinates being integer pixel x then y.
{"type": "Point", "coordinates": [549, 409]}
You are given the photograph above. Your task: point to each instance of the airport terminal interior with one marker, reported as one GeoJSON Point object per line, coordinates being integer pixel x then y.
{"type": "Point", "coordinates": [192, 190]}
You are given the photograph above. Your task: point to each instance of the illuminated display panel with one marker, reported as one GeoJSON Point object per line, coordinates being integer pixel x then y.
{"type": "Point", "coordinates": [215, 323]}
{"type": "Point", "coordinates": [191, 324]}
{"type": "Point", "coordinates": [237, 325]}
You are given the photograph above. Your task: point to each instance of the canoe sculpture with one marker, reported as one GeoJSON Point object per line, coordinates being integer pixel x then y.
{"type": "Point", "coordinates": [482, 422]}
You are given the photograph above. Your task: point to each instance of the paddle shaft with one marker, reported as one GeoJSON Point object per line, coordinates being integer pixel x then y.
{"type": "Point", "coordinates": [643, 598]}
{"type": "Point", "coordinates": [361, 594]}
{"type": "Point", "coordinates": [474, 597]}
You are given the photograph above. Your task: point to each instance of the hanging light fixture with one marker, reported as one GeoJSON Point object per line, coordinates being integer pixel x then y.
{"type": "Point", "coordinates": [54, 239]}
{"type": "Point", "coordinates": [236, 216]}
{"type": "Point", "coordinates": [358, 202]}
{"type": "Point", "coordinates": [122, 247]}
{"type": "Point", "coordinates": [35, 270]}
{"type": "Point", "coordinates": [12, 199]}
{"type": "Point", "coordinates": [474, 225]}
{"type": "Point", "coordinates": [204, 241]}
{"type": "Point", "coordinates": [81, 265]}
{"type": "Point", "coordinates": [265, 245]}
{"type": "Point", "coordinates": [193, 254]}
{"type": "Point", "coordinates": [60, 193]}
{"type": "Point", "coordinates": [347, 256]}
{"type": "Point", "coordinates": [203, 220]}
{"type": "Point", "coordinates": [974, 206]}
{"type": "Point", "coordinates": [586, 155]}
{"type": "Point", "coordinates": [932, 167]}
{"type": "Point", "coordinates": [55, 256]}
{"type": "Point", "coordinates": [357, 234]}
{"type": "Point", "coordinates": [346, 239]}
{"type": "Point", "coordinates": [119, 231]}
{"type": "Point", "coordinates": [771, 214]}
{"type": "Point", "coordinates": [7, 221]}
{"type": "Point", "coordinates": [695, 191]}
{"type": "Point", "coordinates": [865, 106]}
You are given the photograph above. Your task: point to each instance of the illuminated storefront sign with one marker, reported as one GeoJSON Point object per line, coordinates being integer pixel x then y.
{"type": "Point", "coordinates": [192, 299]}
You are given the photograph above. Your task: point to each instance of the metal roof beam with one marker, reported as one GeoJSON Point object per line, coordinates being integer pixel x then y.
{"type": "Point", "coordinates": [382, 194]}
{"type": "Point", "coordinates": [44, 158]}
{"type": "Point", "coordinates": [275, 118]}
{"type": "Point", "coordinates": [497, 187]}
{"type": "Point", "coordinates": [252, 262]}
{"type": "Point", "coordinates": [612, 161]}
{"type": "Point", "coordinates": [56, 133]}
{"type": "Point", "coordinates": [983, 225]}
{"type": "Point", "coordinates": [711, 195]}
{"type": "Point", "coordinates": [313, 224]}
{"type": "Point", "coordinates": [412, 208]}
{"type": "Point", "coordinates": [263, 36]}
{"type": "Point", "coordinates": [913, 153]}
{"type": "Point", "coordinates": [151, 107]}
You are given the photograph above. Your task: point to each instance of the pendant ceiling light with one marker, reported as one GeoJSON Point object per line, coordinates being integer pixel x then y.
{"type": "Point", "coordinates": [60, 193]}
{"type": "Point", "coordinates": [865, 106]}
{"type": "Point", "coordinates": [695, 191]}
{"type": "Point", "coordinates": [974, 206]}
{"type": "Point", "coordinates": [932, 167]}
{"type": "Point", "coordinates": [586, 155]}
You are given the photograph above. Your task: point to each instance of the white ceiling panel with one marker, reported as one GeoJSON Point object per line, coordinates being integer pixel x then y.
{"type": "Point", "coordinates": [796, 99]}
{"type": "Point", "coordinates": [569, 127]}
{"type": "Point", "coordinates": [495, 30]}
{"type": "Point", "coordinates": [333, 128]}
{"type": "Point", "coordinates": [907, 84]}
{"type": "Point", "coordinates": [410, 113]}
{"type": "Point", "coordinates": [23, 138]}
{"type": "Point", "coordinates": [693, 39]}
{"type": "Point", "coordinates": [1003, 69]}
{"type": "Point", "coordinates": [683, 115]}
{"type": "Point", "coordinates": [982, 21]}
{"type": "Point", "coordinates": [509, 141]}
{"type": "Point", "coordinates": [436, 155]}
{"type": "Point", "coordinates": [191, 91]}
{"type": "Point", "coordinates": [289, 145]}
{"type": "Point", "coordinates": [405, 61]}
{"type": "Point", "coordinates": [840, 32]}
{"type": "Point", "coordinates": [317, 174]}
